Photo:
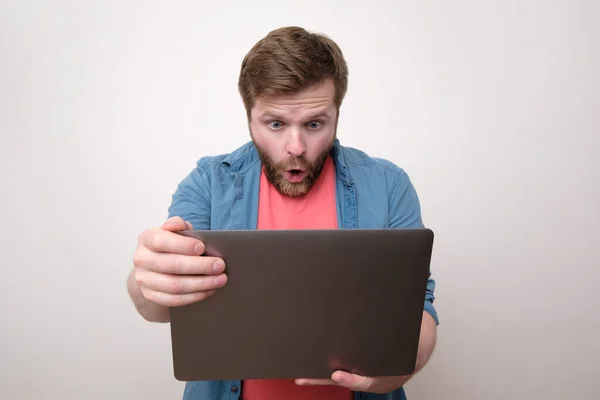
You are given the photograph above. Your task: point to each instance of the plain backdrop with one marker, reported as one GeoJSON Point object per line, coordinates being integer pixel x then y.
{"type": "Point", "coordinates": [492, 108]}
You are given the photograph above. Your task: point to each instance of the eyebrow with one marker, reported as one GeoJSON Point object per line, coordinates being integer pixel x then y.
{"type": "Point", "coordinates": [279, 117]}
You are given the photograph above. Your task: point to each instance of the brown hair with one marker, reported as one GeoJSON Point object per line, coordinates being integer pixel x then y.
{"type": "Point", "coordinates": [290, 59]}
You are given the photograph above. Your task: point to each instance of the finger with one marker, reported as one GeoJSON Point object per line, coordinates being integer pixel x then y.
{"type": "Point", "coordinates": [178, 284]}
{"type": "Point", "coordinates": [176, 224]}
{"type": "Point", "coordinates": [352, 381]}
{"type": "Point", "coordinates": [179, 264]}
{"type": "Point", "coordinates": [315, 382]}
{"type": "Point", "coordinates": [175, 300]}
{"type": "Point", "coordinates": [160, 240]}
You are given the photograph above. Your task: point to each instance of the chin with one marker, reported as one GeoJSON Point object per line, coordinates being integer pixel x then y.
{"type": "Point", "coordinates": [293, 189]}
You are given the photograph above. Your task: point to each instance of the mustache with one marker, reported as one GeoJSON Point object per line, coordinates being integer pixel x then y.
{"type": "Point", "coordinates": [295, 163]}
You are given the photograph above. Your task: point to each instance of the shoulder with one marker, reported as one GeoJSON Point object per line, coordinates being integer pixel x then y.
{"type": "Point", "coordinates": [220, 167]}
{"type": "Point", "coordinates": [383, 182]}
{"type": "Point", "coordinates": [238, 160]}
{"type": "Point", "coordinates": [194, 196]}
{"type": "Point", "coordinates": [357, 160]}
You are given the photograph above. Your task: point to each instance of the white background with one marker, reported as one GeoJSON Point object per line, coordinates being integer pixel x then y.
{"type": "Point", "coordinates": [492, 107]}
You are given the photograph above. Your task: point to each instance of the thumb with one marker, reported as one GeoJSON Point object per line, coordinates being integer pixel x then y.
{"type": "Point", "coordinates": [352, 381]}
{"type": "Point", "coordinates": [174, 224]}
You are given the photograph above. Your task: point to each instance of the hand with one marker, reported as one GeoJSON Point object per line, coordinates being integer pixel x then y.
{"type": "Point", "coordinates": [359, 383]}
{"type": "Point", "coordinates": [170, 268]}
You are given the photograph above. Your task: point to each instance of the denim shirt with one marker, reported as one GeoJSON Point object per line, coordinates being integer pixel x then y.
{"type": "Point", "coordinates": [221, 193]}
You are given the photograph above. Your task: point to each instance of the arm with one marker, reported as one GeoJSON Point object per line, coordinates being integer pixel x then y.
{"type": "Point", "coordinates": [405, 212]}
{"type": "Point", "coordinates": [427, 341]}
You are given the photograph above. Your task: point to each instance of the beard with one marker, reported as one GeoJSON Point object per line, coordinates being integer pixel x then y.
{"type": "Point", "coordinates": [275, 171]}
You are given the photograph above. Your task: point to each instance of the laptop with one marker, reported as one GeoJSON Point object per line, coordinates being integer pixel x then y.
{"type": "Point", "coordinates": [305, 303]}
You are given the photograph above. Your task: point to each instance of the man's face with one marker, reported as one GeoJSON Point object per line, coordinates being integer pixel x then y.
{"type": "Point", "coordinates": [293, 134]}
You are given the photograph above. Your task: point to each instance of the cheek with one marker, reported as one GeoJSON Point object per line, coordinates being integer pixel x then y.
{"type": "Point", "coordinates": [267, 142]}
{"type": "Point", "coordinates": [260, 137]}
{"type": "Point", "coordinates": [318, 144]}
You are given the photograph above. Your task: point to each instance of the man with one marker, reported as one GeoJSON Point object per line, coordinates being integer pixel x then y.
{"type": "Point", "coordinates": [294, 174]}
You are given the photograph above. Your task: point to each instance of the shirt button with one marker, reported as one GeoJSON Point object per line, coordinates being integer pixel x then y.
{"type": "Point", "coordinates": [234, 389]}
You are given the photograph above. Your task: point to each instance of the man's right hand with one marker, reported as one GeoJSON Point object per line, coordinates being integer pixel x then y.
{"type": "Point", "coordinates": [171, 269]}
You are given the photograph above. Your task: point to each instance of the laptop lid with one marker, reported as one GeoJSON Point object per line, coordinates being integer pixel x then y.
{"type": "Point", "coordinates": [304, 303]}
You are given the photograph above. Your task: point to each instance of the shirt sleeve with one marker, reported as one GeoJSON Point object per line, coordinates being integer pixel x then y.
{"type": "Point", "coordinates": [405, 212]}
{"type": "Point", "coordinates": [192, 198]}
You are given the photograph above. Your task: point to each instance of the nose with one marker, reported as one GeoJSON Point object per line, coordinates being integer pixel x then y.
{"type": "Point", "coordinates": [295, 145]}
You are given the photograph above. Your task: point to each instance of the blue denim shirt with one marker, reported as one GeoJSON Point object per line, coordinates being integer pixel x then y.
{"type": "Point", "coordinates": [221, 193]}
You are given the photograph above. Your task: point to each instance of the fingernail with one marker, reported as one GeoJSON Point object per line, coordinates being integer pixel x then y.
{"type": "Point", "coordinates": [218, 266]}
{"type": "Point", "coordinates": [219, 281]}
{"type": "Point", "coordinates": [199, 248]}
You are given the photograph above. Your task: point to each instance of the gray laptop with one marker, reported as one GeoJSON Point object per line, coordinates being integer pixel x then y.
{"type": "Point", "coordinates": [304, 303]}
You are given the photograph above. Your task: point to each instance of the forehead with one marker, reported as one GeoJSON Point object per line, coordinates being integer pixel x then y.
{"type": "Point", "coordinates": [317, 98]}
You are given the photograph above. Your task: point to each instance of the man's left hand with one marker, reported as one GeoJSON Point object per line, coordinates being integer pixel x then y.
{"type": "Point", "coordinates": [359, 383]}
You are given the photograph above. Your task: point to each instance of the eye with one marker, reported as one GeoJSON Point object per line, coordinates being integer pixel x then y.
{"type": "Point", "coordinates": [314, 125]}
{"type": "Point", "coordinates": [275, 125]}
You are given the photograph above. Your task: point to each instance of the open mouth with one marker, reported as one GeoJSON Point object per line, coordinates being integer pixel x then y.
{"type": "Point", "coordinates": [295, 175]}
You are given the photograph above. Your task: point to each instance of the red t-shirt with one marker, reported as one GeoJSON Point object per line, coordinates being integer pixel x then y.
{"type": "Point", "coordinates": [316, 210]}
